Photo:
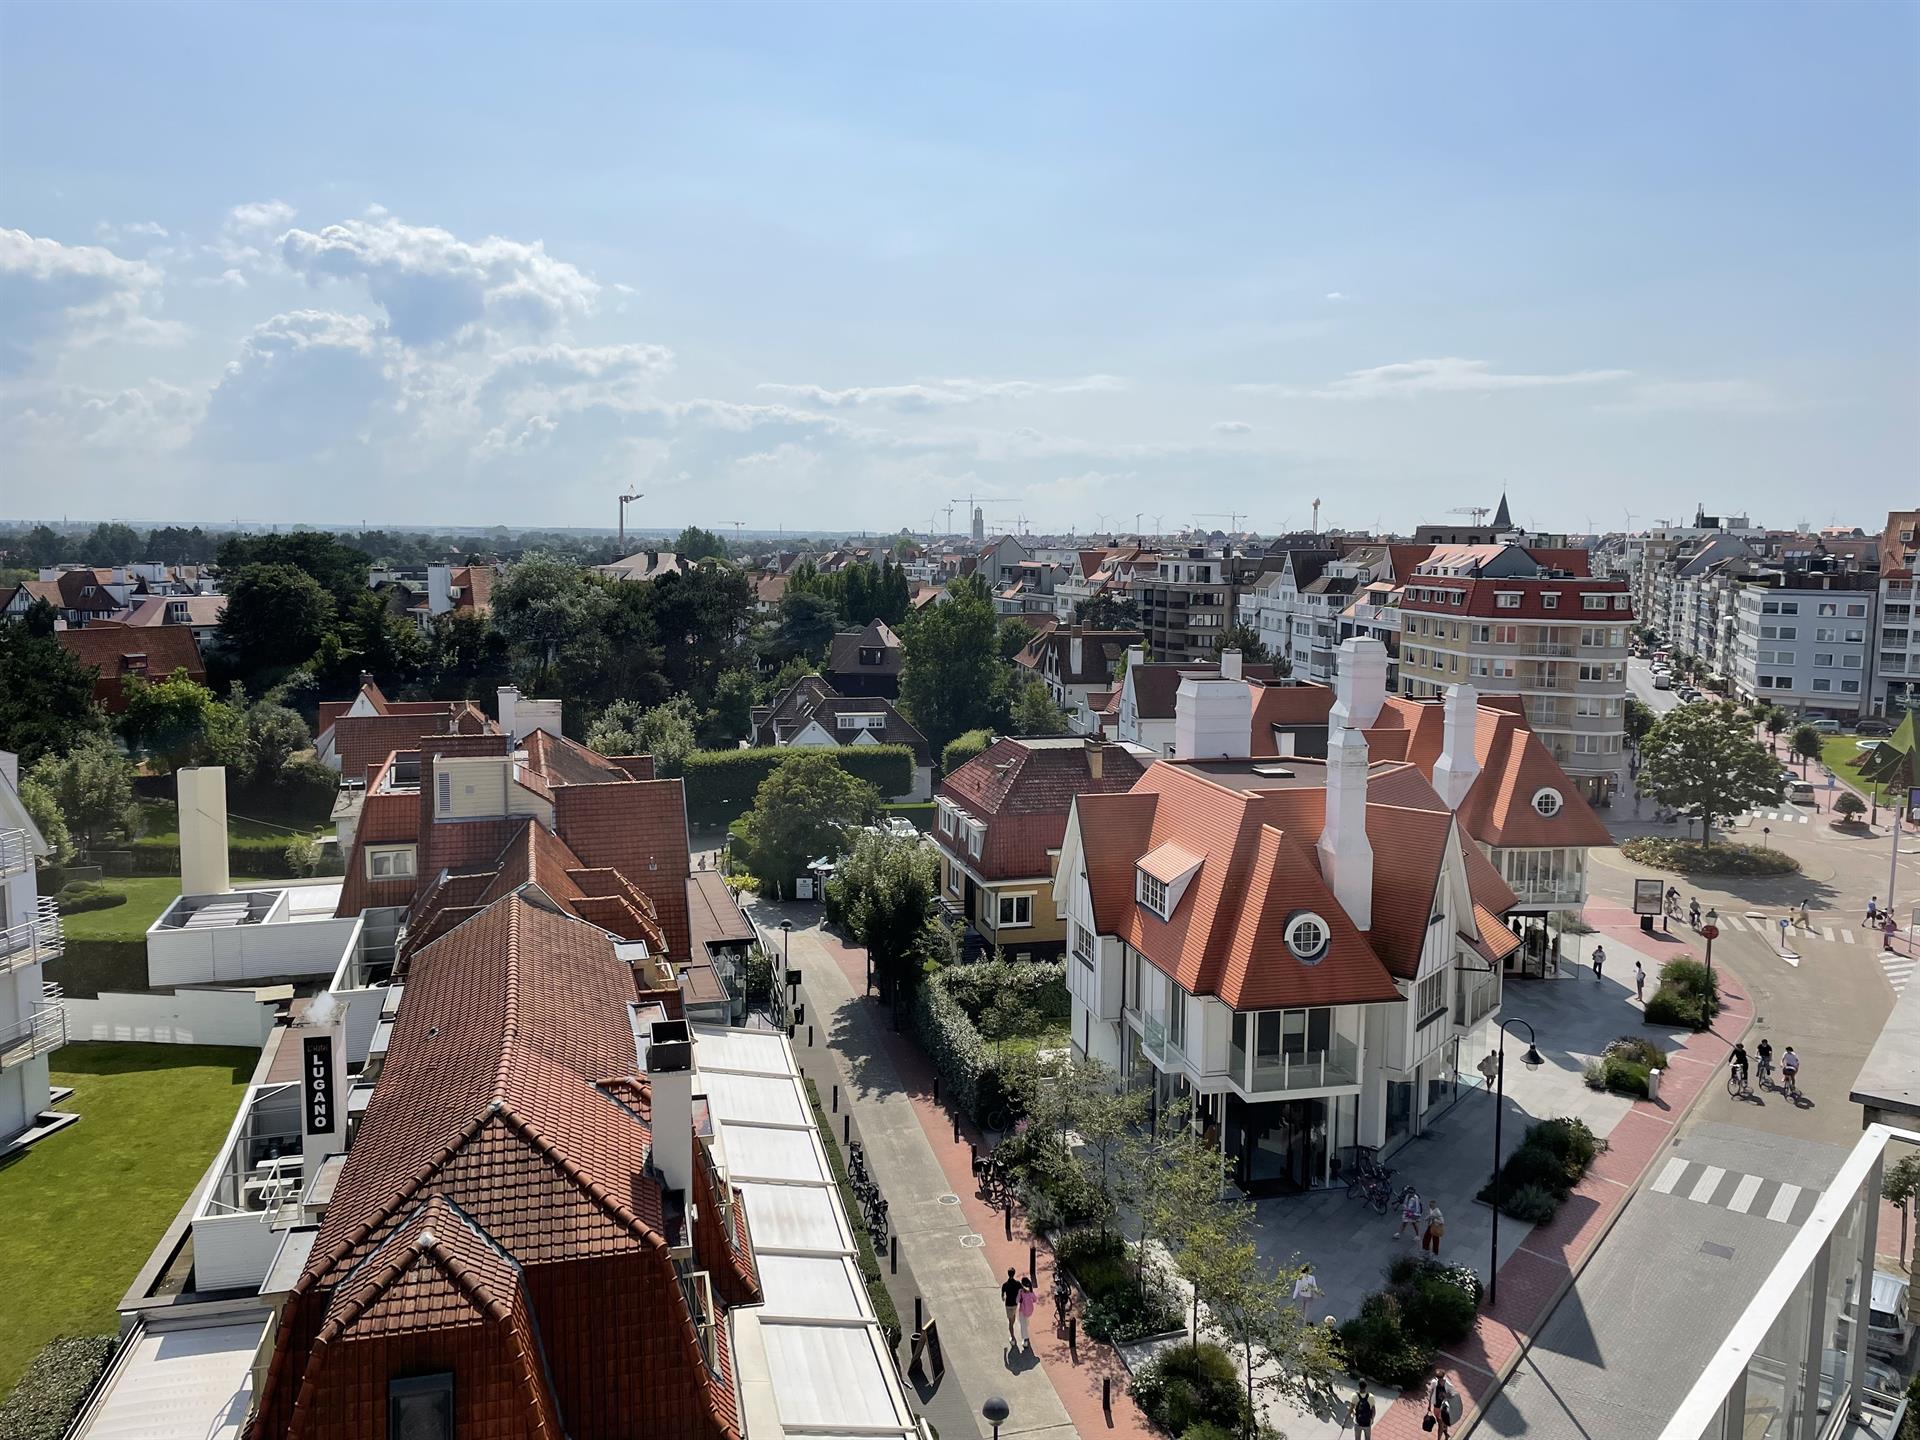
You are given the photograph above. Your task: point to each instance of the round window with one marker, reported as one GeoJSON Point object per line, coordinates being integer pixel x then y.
{"type": "Point", "coordinates": [1308, 937]}
{"type": "Point", "coordinates": [1546, 801]}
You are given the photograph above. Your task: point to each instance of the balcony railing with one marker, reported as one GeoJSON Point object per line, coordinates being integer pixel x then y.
{"type": "Point", "coordinates": [1564, 893]}
{"type": "Point", "coordinates": [16, 852]}
{"type": "Point", "coordinates": [1545, 647]}
{"type": "Point", "coordinates": [1339, 1064]}
{"type": "Point", "coordinates": [43, 1031]}
{"type": "Point", "coordinates": [33, 941]}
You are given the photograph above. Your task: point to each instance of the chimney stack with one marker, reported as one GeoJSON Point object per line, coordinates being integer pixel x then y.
{"type": "Point", "coordinates": [1459, 762]}
{"type": "Point", "coordinates": [1096, 758]}
{"type": "Point", "coordinates": [1212, 718]}
{"type": "Point", "coordinates": [201, 792]}
{"type": "Point", "coordinates": [508, 697]}
{"type": "Point", "coordinates": [670, 1077]}
{"type": "Point", "coordinates": [1076, 647]}
{"type": "Point", "coordinates": [1229, 664]}
{"type": "Point", "coordinates": [1360, 686]}
{"type": "Point", "coordinates": [1346, 854]}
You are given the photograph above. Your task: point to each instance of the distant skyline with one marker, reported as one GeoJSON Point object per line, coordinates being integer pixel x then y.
{"type": "Point", "coordinates": [829, 268]}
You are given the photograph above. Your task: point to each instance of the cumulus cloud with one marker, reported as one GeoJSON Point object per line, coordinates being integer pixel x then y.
{"type": "Point", "coordinates": [437, 288]}
{"type": "Point", "coordinates": [52, 294]}
{"type": "Point", "coordinates": [572, 377]}
{"type": "Point", "coordinates": [1336, 295]}
{"type": "Point", "coordinates": [1447, 376]}
{"type": "Point", "coordinates": [147, 232]}
{"type": "Point", "coordinates": [306, 383]}
{"type": "Point", "coordinates": [267, 217]}
{"type": "Point", "coordinates": [1232, 427]}
{"type": "Point", "coordinates": [941, 394]}
{"type": "Point", "coordinates": [152, 417]}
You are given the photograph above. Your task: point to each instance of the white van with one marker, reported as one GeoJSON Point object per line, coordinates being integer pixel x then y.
{"type": "Point", "coordinates": [1889, 1330]}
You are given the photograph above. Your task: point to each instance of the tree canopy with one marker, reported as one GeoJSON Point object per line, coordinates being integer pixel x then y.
{"type": "Point", "coordinates": [1108, 610]}
{"type": "Point", "coordinates": [885, 889]}
{"type": "Point", "coordinates": [806, 807]}
{"type": "Point", "coordinates": [275, 615]}
{"type": "Point", "coordinates": [1700, 760]}
{"type": "Point", "coordinates": [697, 544]}
{"type": "Point", "coordinates": [1244, 638]}
{"type": "Point", "coordinates": [664, 731]}
{"type": "Point", "coordinates": [1034, 712]}
{"type": "Point", "coordinates": [46, 696]}
{"type": "Point", "coordinates": [953, 679]}
{"type": "Point", "coordinates": [91, 786]}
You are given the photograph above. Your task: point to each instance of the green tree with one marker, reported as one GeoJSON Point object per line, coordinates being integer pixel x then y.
{"type": "Point", "coordinates": [1284, 1354]}
{"type": "Point", "coordinates": [664, 731]}
{"type": "Point", "coordinates": [953, 679]}
{"type": "Point", "coordinates": [92, 787]}
{"type": "Point", "coordinates": [43, 808]}
{"type": "Point", "coordinates": [885, 887]}
{"type": "Point", "coordinates": [1109, 610]}
{"type": "Point", "coordinates": [1849, 806]}
{"type": "Point", "coordinates": [700, 618]}
{"type": "Point", "coordinates": [1900, 1184]}
{"type": "Point", "coordinates": [341, 569]}
{"type": "Point", "coordinates": [40, 618]}
{"type": "Point", "coordinates": [1806, 745]}
{"type": "Point", "coordinates": [46, 696]}
{"type": "Point", "coordinates": [112, 543]}
{"type": "Point", "coordinates": [1034, 712]}
{"type": "Point", "coordinates": [275, 734]}
{"type": "Point", "coordinates": [469, 656]}
{"type": "Point", "coordinates": [166, 718]}
{"type": "Point", "coordinates": [1701, 761]}
{"type": "Point", "coordinates": [697, 544]}
{"type": "Point", "coordinates": [389, 645]}
{"type": "Point", "coordinates": [275, 615]}
{"type": "Point", "coordinates": [729, 717]}
{"type": "Point", "coordinates": [963, 748]}
{"type": "Point", "coordinates": [1775, 720]}
{"type": "Point", "coordinates": [1640, 718]}
{"type": "Point", "coordinates": [1012, 636]}
{"type": "Point", "coordinates": [1244, 638]}
{"type": "Point", "coordinates": [806, 807]}
{"type": "Point", "coordinates": [552, 617]}
{"type": "Point", "coordinates": [223, 735]}
{"type": "Point", "coordinates": [805, 629]}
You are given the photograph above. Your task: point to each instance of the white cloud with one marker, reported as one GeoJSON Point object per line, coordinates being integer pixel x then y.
{"type": "Point", "coordinates": [1335, 295]}
{"type": "Point", "coordinates": [53, 294]}
{"type": "Point", "coordinates": [572, 377]}
{"type": "Point", "coordinates": [438, 288]}
{"type": "Point", "coordinates": [147, 231]}
{"type": "Point", "coordinates": [152, 417]}
{"type": "Point", "coordinates": [1232, 427]}
{"type": "Point", "coordinates": [267, 217]}
{"type": "Point", "coordinates": [306, 383]}
{"type": "Point", "coordinates": [1447, 376]}
{"type": "Point", "coordinates": [941, 394]}
{"type": "Point", "coordinates": [1710, 397]}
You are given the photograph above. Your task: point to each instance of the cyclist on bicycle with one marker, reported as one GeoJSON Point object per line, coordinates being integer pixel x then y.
{"type": "Point", "coordinates": [1790, 1069]}
{"type": "Point", "coordinates": [1693, 913]}
{"type": "Point", "coordinates": [1673, 900]}
{"type": "Point", "coordinates": [1766, 1060]}
{"type": "Point", "coordinates": [1738, 1060]}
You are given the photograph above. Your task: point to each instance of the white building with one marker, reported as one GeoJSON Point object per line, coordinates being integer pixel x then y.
{"type": "Point", "coordinates": [32, 1016]}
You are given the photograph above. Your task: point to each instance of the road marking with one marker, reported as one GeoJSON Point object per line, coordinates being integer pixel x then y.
{"type": "Point", "coordinates": [1743, 1194]}
{"type": "Point", "coordinates": [1669, 1177]}
{"type": "Point", "coordinates": [1791, 958]}
{"type": "Point", "coordinates": [1782, 1205]}
{"type": "Point", "coordinates": [1703, 1188]}
{"type": "Point", "coordinates": [1846, 934]}
{"type": "Point", "coordinates": [1826, 933]}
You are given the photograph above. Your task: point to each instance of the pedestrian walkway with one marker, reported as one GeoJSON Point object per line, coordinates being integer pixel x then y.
{"type": "Point", "coordinates": [1733, 1190]}
{"type": "Point", "coordinates": [958, 1249]}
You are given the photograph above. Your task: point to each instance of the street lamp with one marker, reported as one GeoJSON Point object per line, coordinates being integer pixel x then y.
{"type": "Point", "coordinates": [786, 961]}
{"type": "Point", "coordinates": [996, 1411]}
{"type": "Point", "coordinates": [1533, 1061]}
{"type": "Point", "coordinates": [1711, 930]}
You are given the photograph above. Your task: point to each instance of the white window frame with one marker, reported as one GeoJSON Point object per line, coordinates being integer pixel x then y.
{"type": "Point", "coordinates": [391, 855]}
{"type": "Point", "coordinates": [1151, 893]}
{"type": "Point", "coordinates": [1021, 902]}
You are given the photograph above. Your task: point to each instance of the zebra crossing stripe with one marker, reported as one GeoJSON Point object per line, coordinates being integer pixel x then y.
{"type": "Point", "coordinates": [1704, 1187]}
{"type": "Point", "coordinates": [1846, 934]}
{"type": "Point", "coordinates": [1782, 1205]}
{"type": "Point", "coordinates": [1743, 1194]}
{"type": "Point", "coordinates": [1669, 1177]}
{"type": "Point", "coordinates": [1826, 933]}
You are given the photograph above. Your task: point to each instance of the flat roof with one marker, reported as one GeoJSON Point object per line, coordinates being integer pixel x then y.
{"type": "Point", "coordinates": [812, 1358]}
{"type": "Point", "coordinates": [168, 1381]}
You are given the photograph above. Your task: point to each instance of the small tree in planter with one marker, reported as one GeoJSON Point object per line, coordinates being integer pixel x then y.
{"type": "Point", "coordinates": [1848, 808]}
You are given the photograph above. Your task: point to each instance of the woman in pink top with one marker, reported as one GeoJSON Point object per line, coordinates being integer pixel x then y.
{"type": "Point", "coordinates": [1029, 1297]}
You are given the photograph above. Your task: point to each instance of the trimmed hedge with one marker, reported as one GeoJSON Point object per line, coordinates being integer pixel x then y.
{"type": "Point", "coordinates": [947, 1005]}
{"type": "Point", "coordinates": [868, 1262]}
{"type": "Point", "coordinates": [963, 748]}
{"type": "Point", "coordinates": [257, 857]}
{"type": "Point", "coordinates": [56, 1384]}
{"type": "Point", "coordinates": [721, 784]}
{"type": "Point", "coordinates": [74, 899]}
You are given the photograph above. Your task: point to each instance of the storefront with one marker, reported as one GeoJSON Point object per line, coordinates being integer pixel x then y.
{"type": "Point", "coordinates": [1284, 1147]}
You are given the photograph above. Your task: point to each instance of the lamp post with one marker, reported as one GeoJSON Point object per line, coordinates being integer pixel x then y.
{"type": "Point", "coordinates": [1533, 1061]}
{"type": "Point", "coordinates": [786, 963]}
{"type": "Point", "coordinates": [1712, 932]}
{"type": "Point", "coordinates": [995, 1412]}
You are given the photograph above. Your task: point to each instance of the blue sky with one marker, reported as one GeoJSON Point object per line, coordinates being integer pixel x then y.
{"type": "Point", "coordinates": [834, 266]}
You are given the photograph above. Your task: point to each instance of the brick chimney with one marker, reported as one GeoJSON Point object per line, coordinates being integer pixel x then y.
{"type": "Point", "coordinates": [1096, 758]}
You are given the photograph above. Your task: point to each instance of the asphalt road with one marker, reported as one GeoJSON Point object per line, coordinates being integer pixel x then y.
{"type": "Point", "coordinates": [1640, 686]}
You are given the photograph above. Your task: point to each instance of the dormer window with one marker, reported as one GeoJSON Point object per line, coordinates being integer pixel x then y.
{"type": "Point", "coordinates": [1152, 893]}
{"type": "Point", "coordinates": [1547, 802]}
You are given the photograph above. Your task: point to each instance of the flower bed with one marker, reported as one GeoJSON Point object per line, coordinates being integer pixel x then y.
{"type": "Point", "coordinates": [1548, 1164]}
{"type": "Point", "coordinates": [1125, 1300]}
{"type": "Point", "coordinates": [1193, 1390]}
{"type": "Point", "coordinates": [1692, 857]}
{"type": "Point", "coordinates": [1686, 995]}
{"type": "Point", "coordinates": [1426, 1304]}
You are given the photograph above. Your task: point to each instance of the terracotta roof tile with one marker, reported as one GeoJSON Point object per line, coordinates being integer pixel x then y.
{"type": "Point", "coordinates": [1022, 791]}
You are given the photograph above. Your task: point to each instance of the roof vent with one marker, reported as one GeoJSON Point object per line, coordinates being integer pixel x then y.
{"type": "Point", "coordinates": [1274, 772]}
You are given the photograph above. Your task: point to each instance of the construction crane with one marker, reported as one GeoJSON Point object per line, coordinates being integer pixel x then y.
{"type": "Point", "coordinates": [626, 500]}
{"type": "Point", "coordinates": [973, 502]}
{"type": "Point", "coordinates": [1478, 512]}
{"type": "Point", "coordinates": [1232, 517]}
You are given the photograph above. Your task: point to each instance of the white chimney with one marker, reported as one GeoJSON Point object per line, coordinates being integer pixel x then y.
{"type": "Point", "coordinates": [1346, 855]}
{"type": "Point", "coordinates": [323, 1081]}
{"type": "Point", "coordinates": [531, 715]}
{"type": "Point", "coordinates": [1459, 762]}
{"type": "Point", "coordinates": [1212, 718]}
{"type": "Point", "coordinates": [1229, 664]}
{"type": "Point", "coordinates": [439, 589]}
{"type": "Point", "coordinates": [1360, 686]}
{"type": "Point", "coordinates": [202, 801]}
{"type": "Point", "coordinates": [508, 698]}
{"type": "Point", "coordinates": [670, 1077]}
{"type": "Point", "coordinates": [1136, 655]}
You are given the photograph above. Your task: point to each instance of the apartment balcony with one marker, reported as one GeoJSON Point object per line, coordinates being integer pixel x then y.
{"type": "Point", "coordinates": [1551, 648]}
{"type": "Point", "coordinates": [33, 941]}
{"type": "Point", "coordinates": [41, 1033]}
{"type": "Point", "coordinates": [16, 852]}
{"type": "Point", "coordinates": [1327, 1069]}
{"type": "Point", "coordinates": [1894, 665]}
{"type": "Point", "coordinates": [1563, 892]}
{"type": "Point", "coordinates": [1895, 639]}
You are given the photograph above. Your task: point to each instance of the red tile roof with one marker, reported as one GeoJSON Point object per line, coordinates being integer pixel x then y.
{"type": "Point", "coordinates": [1022, 790]}
{"type": "Point", "coordinates": [114, 652]}
{"type": "Point", "coordinates": [1481, 599]}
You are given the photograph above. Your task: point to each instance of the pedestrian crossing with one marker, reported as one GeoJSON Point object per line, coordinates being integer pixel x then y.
{"type": "Point", "coordinates": [1743, 1194]}
{"type": "Point", "coordinates": [1898, 968]}
{"type": "Point", "coordinates": [1772, 817]}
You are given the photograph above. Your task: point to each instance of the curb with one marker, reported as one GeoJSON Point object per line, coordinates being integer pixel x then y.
{"type": "Point", "coordinates": [1470, 1422]}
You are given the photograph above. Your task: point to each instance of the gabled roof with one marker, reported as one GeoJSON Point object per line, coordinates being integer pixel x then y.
{"type": "Point", "coordinates": [845, 656]}
{"type": "Point", "coordinates": [1051, 653]}
{"type": "Point", "coordinates": [115, 652]}
{"type": "Point", "coordinates": [1156, 683]}
{"type": "Point", "coordinates": [1022, 790]}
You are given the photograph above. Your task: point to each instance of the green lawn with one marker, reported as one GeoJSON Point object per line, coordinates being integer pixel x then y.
{"type": "Point", "coordinates": [84, 1208]}
{"type": "Point", "coordinates": [147, 896]}
{"type": "Point", "coordinates": [160, 820]}
{"type": "Point", "coordinates": [1839, 752]}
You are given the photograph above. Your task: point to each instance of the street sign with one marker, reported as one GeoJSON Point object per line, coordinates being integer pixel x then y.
{"type": "Point", "coordinates": [1710, 932]}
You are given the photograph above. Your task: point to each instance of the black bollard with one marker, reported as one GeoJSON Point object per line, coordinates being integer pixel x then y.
{"type": "Point", "coordinates": [973, 1154]}
{"type": "Point", "coordinates": [1073, 1338]}
{"type": "Point", "coordinates": [1033, 1263]}
{"type": "Point", "coordinates": [836, 1099]}
{"type": "Point", "coordinates": [846, 1128]}
{"type": "Point", "coordinates": [956, 1129]}
{"type": "Point", "coordinates": [1106, 1398]}
{"type": "Point", "coordinates": [809, 1037]}
{"type": "Point", "coordinates": [1009, 1217]}
{"type": "Point", "coordinates": [916, 1314]}
{"type": "Point", "coordinates": [936, 1087]}
{"type": "Point", "coordinates": [893, 1254]}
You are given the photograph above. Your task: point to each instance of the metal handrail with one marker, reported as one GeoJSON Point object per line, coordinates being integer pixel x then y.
{"type": "Point", "coordinates": [42, 1032]}
{"type": "Point", "coordinates": [16, 852]}
{"type": "Point", "coordinates": [32, 941]}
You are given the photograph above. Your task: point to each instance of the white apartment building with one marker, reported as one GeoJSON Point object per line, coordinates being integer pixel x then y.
{"type": "Point", "coordinates": [1805, 641]}
{"type": "Point", "coordinates": [1896, 670]}
{"type": "Point", "coordinates": [33, 1020]}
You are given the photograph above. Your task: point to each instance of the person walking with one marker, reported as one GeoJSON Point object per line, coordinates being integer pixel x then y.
{"type": "Point", "coordinates": [1029, 1298]}
{"type": "Point", "coordinates": [1062, 1299]}
{"type": "Point", "coordinates": [1413, 1210]}
{"type": "Point", "coordinates": [1306, 1289]}
{"type": "Point", "coordinates": [1363, 1414]}
{"type": "Point", "coordinates": [1436, 1228]}
{"type": "Point", "coordinates": [1443, 1403]}
{"type": "Point", "coordinates": [1010, 1297]}
{"type": "Point", "coordinates": [1599, 959]}
{"type": "Point", "coordinates": [1639, 982]}
{"type": "Point", "coordinates": [1873, 908]}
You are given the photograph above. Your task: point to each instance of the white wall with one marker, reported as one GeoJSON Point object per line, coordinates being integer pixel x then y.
{"type": "Point", "coordinates": [240, 953]}
{"type": "Point", "coordinates": [185, 1017]}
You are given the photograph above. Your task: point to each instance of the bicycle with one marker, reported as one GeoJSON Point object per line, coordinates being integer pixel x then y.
{"type": "Point", "coordinates": [1379, 1195]}
{"type": "Point", "coordinates": [1737, 1082]}
{"type": "Point", "coordinates": [877, 1224]}
{"type": "Point", "coordinates": [1790, 1084]}
{"type": "Point", "coordinates": [1766, 1074]}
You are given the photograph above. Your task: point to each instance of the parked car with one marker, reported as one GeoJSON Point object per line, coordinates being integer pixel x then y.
{"type": "Point", "coordinates": [1799, 792]}
{"type": "Point", "coordinates": [1826, 727]}
{"type": "Point", "coordinates": [1662, 680]}
{"type": "Point", "coordinates": [1874, 727]}
{"type": "Point", "coordinates": [1889, 1330]}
